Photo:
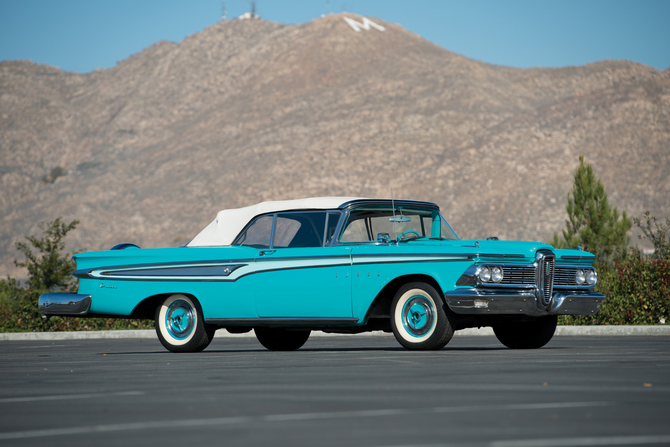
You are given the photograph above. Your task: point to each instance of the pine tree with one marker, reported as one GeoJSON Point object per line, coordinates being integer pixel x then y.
{"type": "Point", "coordinates": [592, 223]}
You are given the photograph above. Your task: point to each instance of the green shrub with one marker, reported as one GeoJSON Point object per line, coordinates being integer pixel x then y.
{"type": "Point", "coordinates": [656, 233]}
{"type": "Point", "coordinates": [19, 313]}
{"type": "Point", "coordinates": [49, 269]}
{"type": "Point", "coordinates": [637, 290]}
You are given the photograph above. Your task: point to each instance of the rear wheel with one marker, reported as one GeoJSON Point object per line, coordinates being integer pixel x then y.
{"type": "Point", "coordinates": [180, 325]}
{"type": "Point", "coordinates": [277, 339]}
{"type": "Point", "coordinates": [419, 318]}
{"type": "Point", "coordinates": [526, 334]}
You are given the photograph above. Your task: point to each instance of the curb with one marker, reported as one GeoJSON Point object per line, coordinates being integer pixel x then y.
{"type": "Point", "coordinates": [599, 331]}
{"type": "Point", "coordinates": [613, 330]}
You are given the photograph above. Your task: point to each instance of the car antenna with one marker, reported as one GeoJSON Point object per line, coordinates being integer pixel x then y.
{"type": "Point", "coordinates": [395, 232]}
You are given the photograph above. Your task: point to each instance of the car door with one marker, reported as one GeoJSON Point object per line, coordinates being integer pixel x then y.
{"type": "Point", "coordinates": [377, 257]}
{"type": "Point", "coordinates": [298, 276]}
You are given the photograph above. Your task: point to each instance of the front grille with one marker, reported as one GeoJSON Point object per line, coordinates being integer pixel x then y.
{"type": "Point", "coordinates": [513, 274]}
{"type": "Point", "coordinates": [565, 276]}
{"type": "Point", "coordinates": [545, 275]}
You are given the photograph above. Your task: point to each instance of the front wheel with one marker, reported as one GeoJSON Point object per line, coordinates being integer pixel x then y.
{"type": "Point", "coordinates": [277, 339]}
{"type": "Point", "coordinates": [180, 325]}
{"type": "Point", "coordinates": [419, 319]}
{"type": "Point", "coordinates": [526, 334]}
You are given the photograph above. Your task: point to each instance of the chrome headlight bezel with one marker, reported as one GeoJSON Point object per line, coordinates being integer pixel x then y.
{"type": "Point", "coordinates": [484, 274]}
{"type": "Point", "coordinates": [490, 274]}
{"type": "Point", "coordinates": [591, 277]}
{"type": "Point", "coordinates": [497, 274]}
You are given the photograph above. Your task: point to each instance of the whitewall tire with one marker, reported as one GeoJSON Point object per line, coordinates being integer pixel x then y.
{"type": "Point", "coordinates": [180, 325]}
{"type": "Point", "coordinates": [419, 317]}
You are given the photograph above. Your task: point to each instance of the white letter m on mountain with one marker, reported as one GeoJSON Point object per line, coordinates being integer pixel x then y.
{"type": "Point", "coordinates": [365, 25]}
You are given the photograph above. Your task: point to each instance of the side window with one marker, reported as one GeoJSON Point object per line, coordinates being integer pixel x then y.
{"type": "Point", "coordinates": [295, 230]}
{"type": "Point", "coordinates": [428, 229]}
{"type": "Point", "coordinates": [331, 226]}
{"type": "Point", "coordinates": [258, 234]}
{"type": "Point", "coordinates": [445, 231]}
{"type": "Point", "coordinates": [285, 231]}
{"type": "Point", "coordinates": [356, 231]}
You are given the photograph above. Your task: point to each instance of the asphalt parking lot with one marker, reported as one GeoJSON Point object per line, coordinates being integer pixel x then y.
{"type": "Point", "coordinates": [336, 391]}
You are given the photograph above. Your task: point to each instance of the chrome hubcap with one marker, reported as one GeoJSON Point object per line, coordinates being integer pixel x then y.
{"type": "Point", "coordinates": [418, 316]}
{"type": "Point", "coordinates": [180, 319]}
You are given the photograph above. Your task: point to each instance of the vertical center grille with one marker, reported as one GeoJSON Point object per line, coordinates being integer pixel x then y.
{"type": "Point", "coordinates": [546, 264]}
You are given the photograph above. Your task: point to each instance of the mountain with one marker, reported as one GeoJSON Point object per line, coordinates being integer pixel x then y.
{"type": "Point", "coordinates": [248, 110]}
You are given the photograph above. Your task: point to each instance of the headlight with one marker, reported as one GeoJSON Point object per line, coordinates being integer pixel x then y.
{"type": "Point", "coordinates": [580, 277]}
{"type": "Point", "coordinates": [591, 277]}
{"type": "Point", "coordinates": [485, 274]}
{"type": "Point", "coordinates": [496, 274]}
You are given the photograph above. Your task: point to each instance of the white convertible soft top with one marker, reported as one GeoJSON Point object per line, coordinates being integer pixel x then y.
{"type": "Point", "coordinates": [229, 223]}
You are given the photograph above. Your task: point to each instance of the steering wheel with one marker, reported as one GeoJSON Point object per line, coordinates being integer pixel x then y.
{"type": "Point", "coordinates": [401, 235]}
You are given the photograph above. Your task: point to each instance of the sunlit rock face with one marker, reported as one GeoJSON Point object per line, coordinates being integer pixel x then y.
{"type": "Point", "coordinates": [149, 150]}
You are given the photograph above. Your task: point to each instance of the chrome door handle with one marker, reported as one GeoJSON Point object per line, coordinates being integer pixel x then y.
{"type": "Point", "coordinates": [267, 252]}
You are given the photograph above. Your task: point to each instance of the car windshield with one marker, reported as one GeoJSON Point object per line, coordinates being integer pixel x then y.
{"type": "Point", "coordinates": [366, 224]}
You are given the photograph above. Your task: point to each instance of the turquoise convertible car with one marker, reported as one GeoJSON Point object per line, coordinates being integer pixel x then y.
{"type": "Point", "coordinates": [333, 264]}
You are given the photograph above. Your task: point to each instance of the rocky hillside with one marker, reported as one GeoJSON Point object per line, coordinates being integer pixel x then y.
{"type": "Point", "coordinates": [248, 110]}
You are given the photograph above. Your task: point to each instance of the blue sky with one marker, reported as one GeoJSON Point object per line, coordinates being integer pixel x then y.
{"type": "Point", "coordinates": [82, 35]}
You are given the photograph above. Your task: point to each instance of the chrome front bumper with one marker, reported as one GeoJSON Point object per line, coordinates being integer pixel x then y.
{"type": "Point", "coordinates": [65, 304]}
{"type": "Point", "coordinates": [522, 302]}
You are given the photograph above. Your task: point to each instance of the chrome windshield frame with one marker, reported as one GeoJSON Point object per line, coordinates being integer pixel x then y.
{"type": "Point", "coordinates": [399, 204]}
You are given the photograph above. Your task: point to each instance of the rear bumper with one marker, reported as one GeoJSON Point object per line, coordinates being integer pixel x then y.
{"type": "Point", "coordinates": [64, 304]}
{"type": "Point", "coordinates": [522, 302]}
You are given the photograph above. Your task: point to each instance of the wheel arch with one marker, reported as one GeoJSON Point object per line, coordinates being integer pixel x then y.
{"type": "Point", "coordinates": [381, 305]}
{"type": "Point", "coordinates": [147, 307]}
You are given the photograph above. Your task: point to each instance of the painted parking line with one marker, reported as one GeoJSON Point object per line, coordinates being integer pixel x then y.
{"type": "Point", "coordinates": [584, 441]}
{"type": "Point", "coordinates": [557, 442]}
{"type": "Point", "coordinates": [7, 400]}
{"type": "Point", "coordinates": [240, 420]}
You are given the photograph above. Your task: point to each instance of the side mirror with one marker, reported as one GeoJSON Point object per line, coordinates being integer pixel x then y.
{"type": "Point", "coordinates": [383, 237]}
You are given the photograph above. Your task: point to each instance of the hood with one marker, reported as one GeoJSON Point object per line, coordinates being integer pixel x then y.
{"type": "Point", "coordinates": [517, 248]}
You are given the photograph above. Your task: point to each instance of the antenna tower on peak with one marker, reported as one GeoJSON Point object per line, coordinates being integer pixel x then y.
{"type": "Point", "coordinates": [223, 11]}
